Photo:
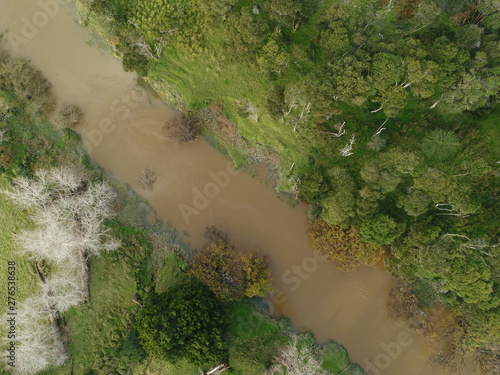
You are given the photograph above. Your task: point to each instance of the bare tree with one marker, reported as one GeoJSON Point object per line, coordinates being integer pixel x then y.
{"type": "Point", "coordinates": [69, 213]}
{"type": "Point", "coordinates": [69, 116]}
{"type": "Point", "coordinates": [347, 149]}
{"type": "Point", "coordinates": [296, 359]}
{"type": "Point", "coordinates": [147, 178]}
{"type": "Point", "coordinates": [38, 340]}
{"type": "Point", "coordinates": [62, 289]}
{"type": "Point", "coordinates": [28, 193]}
{"type": "Point", "coordinates": [216, 370]}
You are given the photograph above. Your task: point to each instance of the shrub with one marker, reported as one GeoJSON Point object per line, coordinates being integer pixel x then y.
{"type": "Point", "coordinates": [184, 127]}
{"type": "Point", "coordinates": [343, 246]}
{"type": "Point", "coordinates": [186, 321]}
{"type": "Point", "coordinates": [228, 274]}
{"type": "Point", "coordinates": [69, 116]}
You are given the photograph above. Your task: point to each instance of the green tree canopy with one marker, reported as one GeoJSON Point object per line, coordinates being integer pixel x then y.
{"type": "Point", "coordinates": [440, 145]}
{"type": "Point", "coordinates": [186, 321]}
{"type": "Point", "coordinates": [380, 230]}
{"type": "Point", "coordinates": [229, 274]}
{"type": "Point", "coordinates": [343, 246]}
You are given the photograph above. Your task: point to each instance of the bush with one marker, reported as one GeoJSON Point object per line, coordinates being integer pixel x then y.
{"type": "Point", "coordinates": [69, 116]}
{"type": "Point", "coordinates": [343, 246]}
{"type": "Point", "coordinates": [186, 321]}
{"type": "Point", "coordinates": [184, 127]}
{"type": "Point", "coordinates": [228, 274]}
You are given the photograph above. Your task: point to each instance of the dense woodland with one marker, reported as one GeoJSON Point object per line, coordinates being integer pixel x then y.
{"type": "Point", "coordinates": [382, 115]}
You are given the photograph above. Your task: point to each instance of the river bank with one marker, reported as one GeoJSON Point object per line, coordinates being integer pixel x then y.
{"type": "Point", "coordinates": [124, 134]}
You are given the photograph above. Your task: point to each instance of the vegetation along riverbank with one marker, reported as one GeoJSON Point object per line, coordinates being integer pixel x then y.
{"type": "Point", "coordinates": [92, 268]}
{"type": "Point", "coordinates": [382, 115]}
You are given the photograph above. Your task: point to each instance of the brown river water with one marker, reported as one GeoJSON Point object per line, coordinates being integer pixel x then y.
{"type": "Point", "coordinates": [197, 186]}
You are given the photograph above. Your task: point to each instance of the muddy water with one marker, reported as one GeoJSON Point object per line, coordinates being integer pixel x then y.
{"type": "Point", "coordinates": [197, 186]}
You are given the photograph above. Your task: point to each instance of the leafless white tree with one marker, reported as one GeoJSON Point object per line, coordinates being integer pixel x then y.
{"type": "Point", "coordinates": [347, 150]}
{"type": "Point", "coordinates": [62, 289]}
{"type": "Point", "coordinates": [38, 341]}
{"type": "Point", "coordinates": [296, 359]}
{"type": "Point", "coordinates": [28, 193]}
{"type": "Point", "coordinates": [68, 212]}
{"type": "Point", "coordinates": [216, 370]}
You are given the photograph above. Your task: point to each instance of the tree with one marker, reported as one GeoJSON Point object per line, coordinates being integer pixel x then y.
{"type": "Point", "coordinates": [435, 183]}
{"type": "Point", "coordinates": [69, 213]}
{"type": "Point", "coordinates": [440, 145]}
{"type": "Point", "coordinates": [297, 358]}
{"type": "Point", "coordinates": [415, 203]}
{"type": "Point", "coordinates": [422, 76]}
{"type": "Point", "coordinates": [218, 267]}
{"type": "Point", "coordinates": [339, 205]}
{"type": "Point", "coordinates": [284, 12]}
{"type": "Point", "coordinates": [343, 246]}
{"type": "Point", "coordinates": [399, 162]}
{"type": "Point", "coordinates": [313, 187]}
{"type": "Point", "coordinates": [349, 81]}
{"type": "Point", "coordinates": [27, 83]}
{"type": "Point", "coordinates": [245, 32]}
{"type": "Point", "coordinates": [257, 275]}
{"type": "Point", "coordinates": [273, 58]}
{"type": "Point", "coordinates": [380, 230]}
{"type": "Point", "coordinates": [69, 116]}
{"type": "Point", "coordinates": [230, 275]}
{"type": "Point", "coordinates": [476, 89]}
{"type": "Point", "coordinates": [184, 322]}
{"type": "Point", "coordinates": [39, 342]}
{"type": "Point", "coordinates": [378, 178]}
{"type": "Point", "coordinates": [387, 70]}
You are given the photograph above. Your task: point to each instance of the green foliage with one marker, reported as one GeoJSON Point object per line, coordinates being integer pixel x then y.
{"type": "Point", "coordinates": [27, 83]}
{"type": "Point", "coordinates": [415, 203]}
{"type": "Point", "coordinates": [339, 205]}
{"type": "Point", "coordinates": [387, 70]}
{"type": "Point", "coordinates": [343, 246]}
{"type": "Point", "coordinates": [12, 220]}
{"type": "Point", "coordinates": [313, 187]}
{"type": "Point", "coordinates": [253, 337]}
{"type": "Point", "coordinates": [440, 145]}
{"type": "Point", "coordinates": [245, 33]}
{"type": "Point", "coordinates": [257, 275]}
{"type": "Point", "coordinates": [102, 330]}
{"type": "Point", "coordinates": [186, 321]}
{"type": "Point", "coordinates": [417, 61]}
{"type": "Point", "coordinates": [380, 230]}
{"type": "Point", "coordinates": [228, 274]}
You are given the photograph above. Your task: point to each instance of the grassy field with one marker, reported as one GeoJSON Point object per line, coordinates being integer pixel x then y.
{"type": "Point", "coordinates": [12, 221]}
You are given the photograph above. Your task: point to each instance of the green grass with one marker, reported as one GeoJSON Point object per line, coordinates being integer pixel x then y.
{"type": "Point", "coordinates": [252, 339]}
{"type": "Point", "coordinates": [99, 329]}
{"type": "Point", "coordinates": [13, 221]}
{"type": "Point", "coordinates": [203, 79]}
{"type": "Point", "coordinates": [170, 273]}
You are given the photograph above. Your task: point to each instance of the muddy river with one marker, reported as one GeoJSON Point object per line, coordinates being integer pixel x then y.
{"type": "Point", "coordinates": [198, 186]}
